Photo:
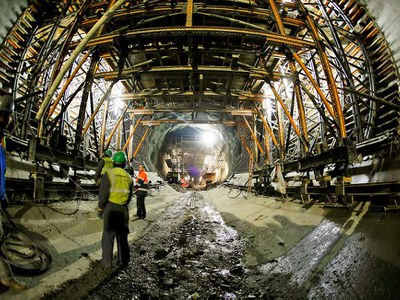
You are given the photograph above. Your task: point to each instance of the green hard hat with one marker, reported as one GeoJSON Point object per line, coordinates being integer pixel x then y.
{"type": "Point", "coordinates": [119, 157]}
{"type": "Point", "coordinates": [108, 152]}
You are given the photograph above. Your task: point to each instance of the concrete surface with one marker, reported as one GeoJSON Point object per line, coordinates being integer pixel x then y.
{"type": "Point", "coordinates": [387, 16]}
{"type": "Point", "coordinates": [320, 252]}
{"type": "Point", "coordinates": [73, 240]}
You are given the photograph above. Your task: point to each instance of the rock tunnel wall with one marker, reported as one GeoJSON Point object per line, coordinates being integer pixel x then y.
{"type": "Point", "coordinates": [387, 16]}
{"type": "Point", "coordinates": [10, 10]}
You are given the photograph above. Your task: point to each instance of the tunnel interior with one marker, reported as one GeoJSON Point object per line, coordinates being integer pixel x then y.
{"type": "Point", "coordinates": [197, 152]}
{"type": "Point", "coordinates": [281, 81]}
{"type": "Point", "coordinates": [255, 120]}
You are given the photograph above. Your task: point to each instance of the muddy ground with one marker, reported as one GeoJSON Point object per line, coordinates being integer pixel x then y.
{"type": "Point", "coordinates": [195, 252]}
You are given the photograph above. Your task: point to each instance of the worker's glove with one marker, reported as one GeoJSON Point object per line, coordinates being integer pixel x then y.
{"type": "Point", "coordinates": [99, 213]}
{"type": "Point", "coordinates": [4, 202]}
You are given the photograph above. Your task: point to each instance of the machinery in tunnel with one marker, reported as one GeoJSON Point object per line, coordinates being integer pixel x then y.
{"type": "Point", "coordinates": [312, 85]}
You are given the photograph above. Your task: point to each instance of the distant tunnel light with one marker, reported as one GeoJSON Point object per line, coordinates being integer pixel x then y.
{"type": "Point", "coordinates": [209, 138]}
{"type": "Point", "coordinates": [116, 95]}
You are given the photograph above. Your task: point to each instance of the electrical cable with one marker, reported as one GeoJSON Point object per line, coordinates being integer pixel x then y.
{"type": "Point", "coordinates": [240, 191]}
{"type": "Point", "coordinates": [230, 190]}
{"type": "Point", "coordinates": [24, 255]}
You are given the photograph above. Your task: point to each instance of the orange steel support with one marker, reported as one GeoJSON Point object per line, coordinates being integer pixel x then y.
{"type": "Point", "coordinates": [328, 72]}
{"type": "Point", "coordinates": [266, 143]}
{"type": "Point", "coordinates": [296, 129]}
{"type": "Point", "coordinates": [141, 142]}
{"type": "Point", "coordinates": [274, 38]}
{"type": "Point", "coordinates": [116, 126]}
{"type": "Point", "coordinates": [300, 106]}
{"type": "Point", "coordinates": [277, 16]}
{"type": "Point", "coordinates": [103, 125]}
{"type": "Point", "coordinates": [266, 126]}
{"type": "Point", "coordinates": [131, 134]}
{"type": "Point", "coordinates": [331, 80]}
{"type": "Point", "coordinates": [244, 142]}
{"type": "Point", "coordinates": [68, 82]}
{"type": "Point", "coordinates": [314, 83]}
{"type": "Point", "coordinates": [280, 130]}
{"type": "Point", "coordinates": [189, 13]}
{"type": "Point", "coordinates": [98, 108]}
{"type": "Point", "coordinates": [254, 136]}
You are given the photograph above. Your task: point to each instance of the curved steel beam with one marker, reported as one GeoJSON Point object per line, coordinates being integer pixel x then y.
{"type": "Point", "coordinates": [83, 43]}
{"type": "Point", "coordinates": [271, 38]}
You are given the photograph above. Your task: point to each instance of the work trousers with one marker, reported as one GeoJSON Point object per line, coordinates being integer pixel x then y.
{"type": "Point", "coordinates": [141, 208]}
{"type": "Point", "coordinates": [116, 225]}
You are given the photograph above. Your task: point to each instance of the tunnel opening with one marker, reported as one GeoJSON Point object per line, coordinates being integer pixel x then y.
{"type": "Point", "coordinates": [201, 154]}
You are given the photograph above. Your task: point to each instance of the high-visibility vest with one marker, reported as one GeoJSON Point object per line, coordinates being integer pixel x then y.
{"type": "Point", "coordinates": [143, 176]}
{"type": "Point", "coordinates": [121, 184]}
{"type": "Point", "coordinates": [108, 164]}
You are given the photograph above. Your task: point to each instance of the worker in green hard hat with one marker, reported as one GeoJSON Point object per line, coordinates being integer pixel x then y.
{"type": "Point", "coordinates": [6, 276]}
{"type": "Point", "coordinates": [105, 163]}
{"type": "Point", "coordinates": [115, 192]}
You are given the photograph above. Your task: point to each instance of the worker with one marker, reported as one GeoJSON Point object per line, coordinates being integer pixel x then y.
{"type": "Point", "coordinates": [115, 191]}
{"type": "Point", "coordinates": [141, 192]}
{"type": "Point", "coordinates": [104, 164]}
{"type": "Point", "coordinates": [6, 276]}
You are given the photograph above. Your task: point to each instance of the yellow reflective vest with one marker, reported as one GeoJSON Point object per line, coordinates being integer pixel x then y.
{"type": "Point", "coordinates": [121, 185]}
{"type": "Point", "coordinates": [108, 164]}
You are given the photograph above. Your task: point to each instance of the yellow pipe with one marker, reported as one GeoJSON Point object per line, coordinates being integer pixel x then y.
{"type": "Point", "coordinates": [141, 142]}
{"type": "Point", "coordinates": [254, 136]}
{"type": "Point", "coordinates": [69, 80]}
{"type": "Point", "coordinates": [131, 134]}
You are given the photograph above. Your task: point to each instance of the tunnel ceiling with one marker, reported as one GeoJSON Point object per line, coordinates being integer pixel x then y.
{"type": "Point", "coordinates": [292, 78]}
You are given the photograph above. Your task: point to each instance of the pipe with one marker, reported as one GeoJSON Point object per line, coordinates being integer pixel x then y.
{"type": "Point", "coordinates": [73, 56]}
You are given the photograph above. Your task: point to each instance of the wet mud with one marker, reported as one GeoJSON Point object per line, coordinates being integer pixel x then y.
{"type": "Point", "coordinates": [191, 253]}
{"type": "Point", "coordinates": [188, 253]}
